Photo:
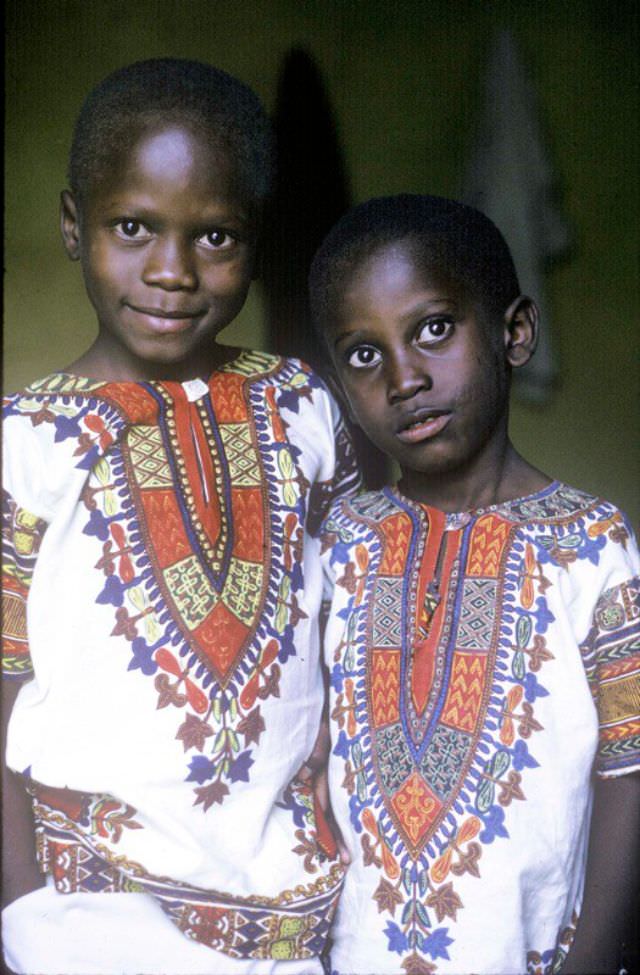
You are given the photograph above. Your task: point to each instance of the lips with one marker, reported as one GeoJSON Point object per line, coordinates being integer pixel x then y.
{"type": "Point", "coordinates": [166, 320]}
{"type": "Point", "coordinates": [422, 425]}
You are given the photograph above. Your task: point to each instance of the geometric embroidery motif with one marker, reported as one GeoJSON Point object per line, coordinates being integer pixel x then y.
{"type": "Point", "coordinates": [394, 759]}
{"type": "Point", "coordinates": [442, 759]}
{"type": "Point", "coordinates": [293, 925]}
{"type": "Point", "coordinates": [244, 469]}
{"type": "Point", "coordinates": [429, 789]}
{"type": "Point", "coordinates": [416, 807]}
{"type": "Point", "coordinates": [243, 589]}
{"type": "Point", "coordinates": [463, 702]}
{"type": "Point", "coordinates": [385, 686]}
{"type": "Point", "coordinates": [148, 458]}
{"type": "Point", "coordinates": [190, 590]}
{"type": "Point", "coordinates": [478, 614]}
{"type": "Point", "coordinates": [387, 615]}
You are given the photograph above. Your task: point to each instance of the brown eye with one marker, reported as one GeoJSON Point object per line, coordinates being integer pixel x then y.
{"type": "Point", "coordinates": [363, 356]}
{"type": "Point", "coordinates": [131, 229]}
{"type": "Point", "coordinates": [217, 240]}
{"type": "Point", "coordinates": [434, 330]}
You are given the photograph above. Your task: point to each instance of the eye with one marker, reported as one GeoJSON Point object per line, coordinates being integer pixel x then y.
{"type": "Point", "coordinates": [434, 330]}
{"type": "Point", "coordinates": [217, 240]}
{"type": "Point", "coordinates": [131, 229]}
{"type": "Point", "coordinates": [363, 357]}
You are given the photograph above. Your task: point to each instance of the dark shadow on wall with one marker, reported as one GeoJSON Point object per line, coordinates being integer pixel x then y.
{"type": "Point", "coordinates": [311, 193]}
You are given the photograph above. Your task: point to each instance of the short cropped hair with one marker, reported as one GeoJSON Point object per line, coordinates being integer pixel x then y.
{"type": "Point", "coordinates": [226, 110]}
{"type": "Point", "coordinates": [446, 236]}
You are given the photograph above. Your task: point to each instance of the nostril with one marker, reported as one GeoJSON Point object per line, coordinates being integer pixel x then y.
{"type": "Point", "coordinates": [170, 267]}
{"type": "Point", "coordinates": [409, 387]}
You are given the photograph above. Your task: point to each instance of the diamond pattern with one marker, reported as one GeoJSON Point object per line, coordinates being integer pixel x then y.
{"type": "Point", "coordinates": [477, 615]}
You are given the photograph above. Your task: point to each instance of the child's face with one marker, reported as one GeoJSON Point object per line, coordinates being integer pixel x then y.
{"type": "Point", "coordinates": [424, 376]}
{"type": "Point", "coordinates": [166, 245]}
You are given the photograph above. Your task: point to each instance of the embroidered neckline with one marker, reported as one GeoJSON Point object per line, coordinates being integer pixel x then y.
{"type": "Point", "coordinates": [68, 383]}
{"type": "Point", "coordinates": [458, 519]}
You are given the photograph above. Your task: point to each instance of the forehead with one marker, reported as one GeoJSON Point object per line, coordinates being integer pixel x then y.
{"type": "Point", "coordinates": [167, 151]}
{"type": "Point", "coordinates": [394, 272]}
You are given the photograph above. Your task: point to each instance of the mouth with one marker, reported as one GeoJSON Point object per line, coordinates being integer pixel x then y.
{"type": "Point", "coordinates": [422, 425]}
{"type": "Point", "coordinates": [166, 320]}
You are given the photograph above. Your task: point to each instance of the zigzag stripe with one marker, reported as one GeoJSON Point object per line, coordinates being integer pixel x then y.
{"type": "Point", "coordinates": [385, 687]}
{"type": "Point", "coordinates": [620, 752]}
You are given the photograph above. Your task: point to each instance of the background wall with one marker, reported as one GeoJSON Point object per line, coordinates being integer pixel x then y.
{"type": "Point", "coordinates": [404, 80]}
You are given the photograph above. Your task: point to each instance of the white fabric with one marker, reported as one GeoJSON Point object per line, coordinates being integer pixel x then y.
{"type": "Point", "coordinates": [125, 706]}
{"type": "Point", "coordinates": [46, 933]}
{"type": "Point", "coordinates": [470, 833]}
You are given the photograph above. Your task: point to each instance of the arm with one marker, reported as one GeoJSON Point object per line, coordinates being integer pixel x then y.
{"type": "Point", "coordinates": [612, 876]}
{"type": "Point", "coordinates": [315, 771]}
{"type": "Point", "coordinates": [20, 873]}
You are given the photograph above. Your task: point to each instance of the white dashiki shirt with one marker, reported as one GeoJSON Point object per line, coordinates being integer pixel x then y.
{"type": "Point", "coordinates": [482, 665]}
{"type": "Point", "coordinates": [161, 598]}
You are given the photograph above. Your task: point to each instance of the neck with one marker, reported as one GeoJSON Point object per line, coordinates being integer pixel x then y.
{"type": "Point", "coordinates": [507, 477]}
{"type": "Point", "coordinates": [98, 363]}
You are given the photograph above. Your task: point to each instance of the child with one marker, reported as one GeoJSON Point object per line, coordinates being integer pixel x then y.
{"type": "Point", "coordinates": [483, 635]}
{"type": "Point", "coordinates": [162, 499]}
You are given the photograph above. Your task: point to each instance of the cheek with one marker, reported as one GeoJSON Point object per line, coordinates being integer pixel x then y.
{"type": "Point", "coordinates": [367, 410]}
{"type": "Point", "coordinates": [108, 270]}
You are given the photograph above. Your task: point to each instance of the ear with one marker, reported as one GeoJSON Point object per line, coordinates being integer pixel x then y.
{"type": "Point", "coordinates": [70, 224]}
{"type": "Point", "coordinates": [521, 321]}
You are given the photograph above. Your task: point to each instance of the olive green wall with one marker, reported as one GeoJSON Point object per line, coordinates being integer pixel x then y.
{"type": "Point", "coordinates": [404, 79]}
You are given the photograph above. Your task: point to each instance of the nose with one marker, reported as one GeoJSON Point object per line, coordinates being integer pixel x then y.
{"type": "Point", "coordinates": [170, 265]}
{"type": "Point", "coordinates": [407, 374]}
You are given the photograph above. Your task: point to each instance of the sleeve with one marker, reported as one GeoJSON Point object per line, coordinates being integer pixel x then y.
{"type": "Point", "coordinates": [21, 537]}
{"type": "Point", "coordinates": [346, 479]}
{"type": "Point", "coordinates": [611, 655]}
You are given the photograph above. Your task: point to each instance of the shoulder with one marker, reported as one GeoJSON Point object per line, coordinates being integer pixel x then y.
{"type": "Point", "coordinates": [583, 543]}
{"type": "Point", "coordinates": [571, 514]}
{"type": "Point", "coordinates": [292, 381]}
{"type": "Point", "coordinates": [257, 365]}
{"type": "Point", "coordinates": [355, 518]}
{"type": "Point", "coordinates": [53, 433]}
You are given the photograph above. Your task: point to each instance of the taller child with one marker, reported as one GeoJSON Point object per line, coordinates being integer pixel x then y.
{"type": "Point", "coordinates": [483, 639]}
{"type": "Point", "coordinates": [161, 501]}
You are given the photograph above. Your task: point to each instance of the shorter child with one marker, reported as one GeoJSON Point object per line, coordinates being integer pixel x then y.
{"type": "Point", "coordinates": [483, 634]}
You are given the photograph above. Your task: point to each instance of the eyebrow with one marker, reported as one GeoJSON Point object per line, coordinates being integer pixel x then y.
{"type": "Point", "coordinates": [424, 307]}
{"type": "Point", "coordinates": [421, 307]}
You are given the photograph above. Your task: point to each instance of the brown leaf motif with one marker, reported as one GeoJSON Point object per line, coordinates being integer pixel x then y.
{"type": "Point", "coordinates": [271, 686]}
{"type": "Point", "coordinates": [43, 415]}
{"type": "Point", "coordinates": [192, 733]}
{"type": "Point", "coordinates": [349, 781]}
{"type": "Point", "coordinates": [445, 902]}
{"type": "Point", "coordinates": [387, 897]}
{"type": "Point", "coordinates": [510, 789]}
{"type": "Point", "coordinates": [526, 722]}
{"type": "Point", "coordinates": [85, 443]}
{"type": "Point", "coordinates": [414, 965]}
{"type": "Point", "coordinates": [168, 693]}
{"type": "Point", "coordinates": [468, 861]}
{"type": "Point", "coordinates": [369, 853]}
{"type": "Point", "coordinates": [538, 654]}
{"type": "Point", "coordinates": [252, 726]}
{"type": "Point", "coordinates": [210, 794]}
{"type": "Point", "coordinates": [307, 849]}
{"type": "Point", "coordinates": [349, 580]}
